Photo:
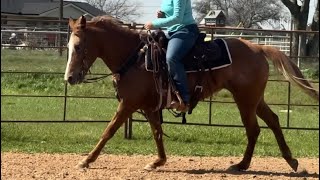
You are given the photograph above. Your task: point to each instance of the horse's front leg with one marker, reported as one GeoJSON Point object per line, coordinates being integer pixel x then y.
{"type": "Point", "coordinates": [122, 114]}
{"type": "Point", "coordinates": [154, 120]}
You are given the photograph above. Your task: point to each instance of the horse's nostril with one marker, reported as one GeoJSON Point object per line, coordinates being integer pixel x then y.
{"type": "Point", "coordinates": [70, 79]}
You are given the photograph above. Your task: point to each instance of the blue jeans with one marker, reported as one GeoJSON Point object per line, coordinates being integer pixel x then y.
{"type": "Point", "coordinates": [180, 43]}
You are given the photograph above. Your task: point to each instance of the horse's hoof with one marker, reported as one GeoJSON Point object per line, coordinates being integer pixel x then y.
{"type": "Point", "coordinates": [150, 167]}
{"type": "Point", "coordinates": [82, 165]}
{"type": "Point", "coordinates": [237, 167]}
{"type": "Point", "coordinates": [302, 171]}
{"type": "Point", "coordinates": [293, 163]}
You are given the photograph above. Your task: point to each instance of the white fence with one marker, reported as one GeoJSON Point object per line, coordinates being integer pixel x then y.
{"type": "Point", "coordinates": [280, 42]}
{"type": "Point", "coordinates": [42, 38]}
{"type": "Point", "coordinates": [21, 38]}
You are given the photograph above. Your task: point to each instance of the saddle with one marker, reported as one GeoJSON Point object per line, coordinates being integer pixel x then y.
{"type": "Point", "coordinates": [209, 54]}
{"type": "Point", "coordinates": [204, 56]}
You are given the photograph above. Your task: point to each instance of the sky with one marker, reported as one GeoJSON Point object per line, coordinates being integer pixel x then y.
{"type": "Point", "coordinates": [150, 7]}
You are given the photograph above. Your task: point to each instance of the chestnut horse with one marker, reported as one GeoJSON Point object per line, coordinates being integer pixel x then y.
{"type": "Point", "coordinates": [245, 78]}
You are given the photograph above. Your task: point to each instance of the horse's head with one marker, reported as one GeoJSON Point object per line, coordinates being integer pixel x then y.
{"type": "Point", "coordinates": [81, 53]}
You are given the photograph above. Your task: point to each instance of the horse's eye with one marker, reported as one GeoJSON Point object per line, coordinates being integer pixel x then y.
{"type": "Point", "coordinates": [77, 48]}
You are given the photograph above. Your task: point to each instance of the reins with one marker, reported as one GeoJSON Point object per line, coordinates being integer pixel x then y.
{"type": "Point", "coordinates": [95, 79]}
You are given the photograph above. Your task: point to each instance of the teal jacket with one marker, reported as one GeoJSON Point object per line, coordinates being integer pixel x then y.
{"type": "Point", "coordinates": [178, 13]}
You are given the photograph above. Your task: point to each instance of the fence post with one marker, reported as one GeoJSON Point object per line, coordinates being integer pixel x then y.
{"type": "Point", "coordinates": [128, 128]}
{"type": "Point", "coordinates": [289, 101]}
{"type": "Point", "coordinates": [66, 86]}
{"type": "Point", "coordinates": [210, 110]}
{"type": "Point", "coordinates": [60, 27]}
{"type": "Point", "coordinates": [65, 101]}
{"type": "Point", "coordinates": [290, 51]}
{"type": "Point", "coordinates": [299, 51]}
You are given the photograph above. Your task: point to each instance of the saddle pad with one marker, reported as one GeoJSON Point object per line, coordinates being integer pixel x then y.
{"type": "Point", "coordinates": [223, 58]}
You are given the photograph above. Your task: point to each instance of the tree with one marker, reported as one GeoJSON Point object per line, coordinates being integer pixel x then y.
{"type": "Point", "coordinates": [299, 13]}
{"type": "Point", "coordinates": [251, 12]}
{"type": "Point", "coordinates": [203, 7]}
{"type": "Point", "coordinates": [246, 12]}
{"type": "Point", "coordinates": [313, 43]}
{"type": "Point", "coordinates": [120, 9]}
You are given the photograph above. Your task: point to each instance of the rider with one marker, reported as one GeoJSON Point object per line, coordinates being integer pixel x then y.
{"type": "Point", "coordinates": [183, 32]}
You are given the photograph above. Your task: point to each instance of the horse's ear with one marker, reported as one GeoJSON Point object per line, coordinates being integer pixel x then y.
{"type": "Point", "coordinates": [71, 22]}
{"type": "Point", "coordinates": [83, 22]}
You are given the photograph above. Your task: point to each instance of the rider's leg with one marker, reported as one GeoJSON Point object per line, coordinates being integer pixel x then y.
{"type": "Point", "coordinates": [180, 42]}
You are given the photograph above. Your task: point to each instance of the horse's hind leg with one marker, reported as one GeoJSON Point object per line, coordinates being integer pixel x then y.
{"type": "Point", "coordinates": [249, 119]}
{"type": "Point", "coordinates": [122, 114]}
{"type": "Point", "coordinates": [272, 120]}
{"type": "Point", "coordinates": [154, 120]}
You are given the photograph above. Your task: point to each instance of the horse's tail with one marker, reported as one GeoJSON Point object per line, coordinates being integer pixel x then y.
{"type": "Point", "coordinates": [289, 70]}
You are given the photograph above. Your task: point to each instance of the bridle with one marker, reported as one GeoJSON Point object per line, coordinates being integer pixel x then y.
{"type": "Point", "coordinates": [85, 66]}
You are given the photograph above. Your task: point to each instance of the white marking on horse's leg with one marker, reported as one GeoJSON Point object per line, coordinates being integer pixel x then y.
{"type": "Point", "coordinates": [70, 51]}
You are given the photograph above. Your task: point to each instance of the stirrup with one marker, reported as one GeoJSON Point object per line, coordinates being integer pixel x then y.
{"type": "Point", "coordinates": [183, 107]}
{"type": "Point", "coordinates": [174, 105]}
{"type": "Point", "coordinates": [180, 107]}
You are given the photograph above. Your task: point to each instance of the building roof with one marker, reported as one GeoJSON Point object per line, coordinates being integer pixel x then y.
{"type": "Point", "coordinates": [91, 9]}
{"type": "Point", "coordinates": [37, 7]}
{"type": "Point", "coordinates": [213, 14]}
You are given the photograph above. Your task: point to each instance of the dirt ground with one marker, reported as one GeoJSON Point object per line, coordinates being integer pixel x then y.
{"type": "Point", "coordinates": [17, 166]}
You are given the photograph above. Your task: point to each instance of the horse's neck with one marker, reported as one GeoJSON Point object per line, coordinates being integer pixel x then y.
{"type": "Point", "coordinates": [118, 48]}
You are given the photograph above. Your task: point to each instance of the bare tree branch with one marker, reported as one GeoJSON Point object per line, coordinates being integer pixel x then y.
{"type": "Point", "coordinates": [120, 9]}
{"type": "Point", "coordinates": [291, 5]}
{"type": "Point", "coordinates": [299, 12]}
{"type": "Point", "coordinates": [247, 12]}
{"type": "Point", "coordinates": [315, 19]}
{"type": "Point", "coordinates": [313, 42]}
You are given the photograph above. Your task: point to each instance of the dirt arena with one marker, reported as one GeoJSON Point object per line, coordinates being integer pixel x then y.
{"type": "Point", "coordinates": [15, 166]}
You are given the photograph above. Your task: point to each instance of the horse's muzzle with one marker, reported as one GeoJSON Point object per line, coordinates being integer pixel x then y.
{"type": "Point", "coordinates": [74, 80]}
{"type": "Point", "coordinates": [71, 80]}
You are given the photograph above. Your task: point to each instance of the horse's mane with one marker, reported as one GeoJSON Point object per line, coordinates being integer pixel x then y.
{"type": "Point", "coordinates": [107, 22]}
{"type": "Point", "coordinates": [106, 18]}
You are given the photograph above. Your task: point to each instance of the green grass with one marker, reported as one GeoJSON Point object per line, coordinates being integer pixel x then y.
{"type": "Point", "coordinates": [81, 137]}
{"type": "Point", "coordinates": [183, 140]}
{"type": "Point", "coordinates": [39, 61]}
{"type": "Point", "coordinates": [103, 109]}
{"type": "Point", "coordinates": [25, 60]}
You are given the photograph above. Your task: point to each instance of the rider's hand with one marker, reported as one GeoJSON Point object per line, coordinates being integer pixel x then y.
{"type": "Point", "coordinates": [160, 14]}
{"type": "Point", "coordinates": [148, 25]}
